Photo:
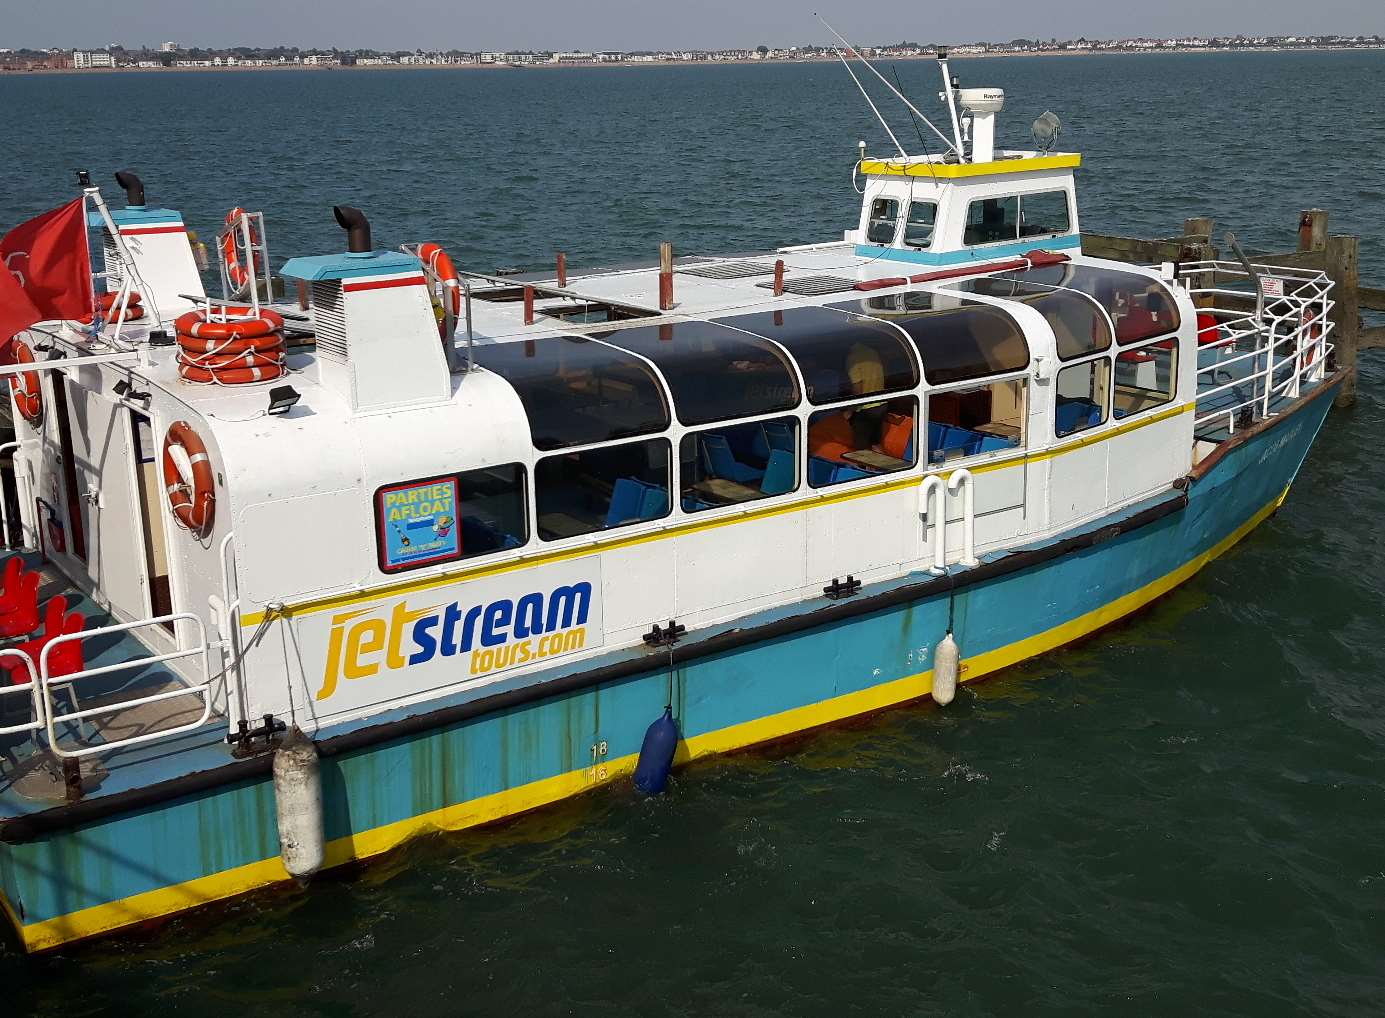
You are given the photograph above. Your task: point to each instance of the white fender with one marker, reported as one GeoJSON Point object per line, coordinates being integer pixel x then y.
{"type": "Point", "coordinates": [298, 804]}
{"type": "Point", "coordinates": [946, 657]}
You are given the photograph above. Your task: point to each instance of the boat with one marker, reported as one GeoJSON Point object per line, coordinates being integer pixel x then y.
{"type": "Point", "coordinates": [374, 545]}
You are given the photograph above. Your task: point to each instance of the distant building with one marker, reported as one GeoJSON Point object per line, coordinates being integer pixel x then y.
{"type": "Point", "coordinates": [168, 47]}
{"type": "Point", "coordinates": [85, 59]}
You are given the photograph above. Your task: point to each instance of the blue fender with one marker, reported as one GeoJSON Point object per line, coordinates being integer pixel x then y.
{"type": "Point", "coordinates": [656, 755]}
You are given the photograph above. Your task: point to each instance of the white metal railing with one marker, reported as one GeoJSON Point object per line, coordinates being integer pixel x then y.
{"type": "Point", "coordinates": [1261, 358]}
{"type": "Point", "coordinates": [48, 683]}
{"type": "Point", "coordinates": [246, 234]}
{"type": "Point", "coordinates": [30, 686]}
{"type": "Point", "coordinates": [933, 504]}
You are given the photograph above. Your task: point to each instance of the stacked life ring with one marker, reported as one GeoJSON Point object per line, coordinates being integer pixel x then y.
{"type": "Point", "coordinates": [237, 275]}
{"type": "Point", "coordinates": [28, 395]}
{"type": "Point", "coordinates": [235, 346]}
{"type": "Point", "coordinates": [444, 285]}
{"type": "Point", "coordinates": [191, 499]}
{"type": "Point", "coordinates": [106, 303]}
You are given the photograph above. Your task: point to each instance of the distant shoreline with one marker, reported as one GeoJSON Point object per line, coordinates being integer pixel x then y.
{"type": "Point", "coordinates": [635, 65]}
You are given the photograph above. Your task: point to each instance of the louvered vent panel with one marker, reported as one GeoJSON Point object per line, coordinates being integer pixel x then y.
{"type": "Point", "coordinates": [113, 266]}
{"type": "Point", "coordinates": [329, 320]}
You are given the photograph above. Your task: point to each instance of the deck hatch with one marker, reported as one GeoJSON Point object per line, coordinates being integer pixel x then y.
{"type": "Point", "coordinates": [813, 286]}
{"type": "Point", "coordinates": [728, 270]}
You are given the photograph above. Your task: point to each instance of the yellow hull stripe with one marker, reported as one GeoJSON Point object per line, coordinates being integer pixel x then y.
{"type": "Point", "coordinates": [337, 602]}
{"type": "Point", "coordinates": [204, 890]}
{"type": "Point", "coordinates": [954, 171]}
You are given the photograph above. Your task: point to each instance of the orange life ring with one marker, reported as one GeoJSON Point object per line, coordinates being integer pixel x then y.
{"type": "Point", "coordinates": [197, 325]}
{"type": "Point", "coordinates": [105, 303]}
{"type": "Point", "coordinates": [28, 392]}
{"type": "Point", "coordinates": [237, 274]}
{"type": "Point", "coordinates": [194, 346]}
{"type": "Point", "coordinates": [440, 272]}
{"type": "Point", "coordinates": [193, 505]}
{"type": "Point", "coordinates": [230, 376]}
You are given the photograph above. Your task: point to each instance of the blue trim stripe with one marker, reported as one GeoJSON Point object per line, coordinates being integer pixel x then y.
{"type": "Point", "coordinates": [349, 266]}
{"type": "Point", "coordinates": [978, 254]}
{"type": "Point", "coordinates": [135, 217]}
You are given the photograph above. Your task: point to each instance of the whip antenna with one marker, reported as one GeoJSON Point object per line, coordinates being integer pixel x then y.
{"type": "Point", "coordinates": [900, 95]}
{"type": "Point", "coordinates": [902, 153]}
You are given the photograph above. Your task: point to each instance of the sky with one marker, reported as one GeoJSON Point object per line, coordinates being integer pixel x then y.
{"type": "Point", "coordinates": [649, 24]}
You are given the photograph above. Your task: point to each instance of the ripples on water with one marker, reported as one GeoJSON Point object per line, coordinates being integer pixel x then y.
{"type": "Point", "coordinates": [1183, 814]}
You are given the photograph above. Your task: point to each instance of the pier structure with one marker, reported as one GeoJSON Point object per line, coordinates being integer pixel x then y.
{"type": "Point", "coordinates": [1336, 254]}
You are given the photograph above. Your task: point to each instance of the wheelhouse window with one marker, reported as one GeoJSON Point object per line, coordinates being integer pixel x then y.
{"type": "Point", "coordinates": [1077, 321]}
{"type": "Point", "coordinates": [956, 340]}
{"type": "Point", "coordinates": [1080, 394]}
{"type": "Point", "coordinates": [1141, 307]}
{"type": "Point", "coordinates": [1017, 217]}
{"type": "Point", "coordinates": [1146, 377]}
{"type": "Point", "coordinates": [867, 439]}
{"type": "Point", "coordinates": [714, 373]}
{"type": "Point", "coordinates": [601, 489]}
{"type": "Point", "coordinates": [577, 392]}
{"type": "Point", "coordinates": [737, 463]}
{"type": "Point", "coordinates": [918, 228]}
{"type": "Point", "coordinates": [842, 356]}
{"type": "Point", "coordinates": [450, 517]}
{"type": "Point", "coordinates": [975, 420]}
{"type": "Point", "coordinates": [883, 221]}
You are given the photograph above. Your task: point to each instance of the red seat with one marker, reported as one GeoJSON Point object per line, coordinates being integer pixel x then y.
{"type": "Point", "coordinates": [9, 582]}
{"type": "Point", "coordinates": [21, 618]}
{"type": "Point", "coordinates": [53, 625]}
{"type": "Point", "coordinates": [1207, 329]}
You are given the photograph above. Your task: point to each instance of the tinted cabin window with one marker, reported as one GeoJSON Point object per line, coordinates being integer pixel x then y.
{"type": "Point", "coordinates": [492, 509]}
{"type": "Point", "coordinates": [918, 228]}
{"type": "Point", "coordinates": [975, 420]}
{"type": "Point", "coordinates": [1044, 214]}
{"type": "Point", "coordinates": [884, 216]}
{"type": "Point", "coordinates": [739, 463]}
{"type": "Point", "coordinates": [842, 356]}
{"type": "Point", "coordinates": [1141, 307]}
{"type": "Point", "coordinates": [714, 373]}
{"type": "Point", "coordinates": [955, 340]}
{"type": "Point", "coordinates": [576, 392]}
{"type": "Point", "coordinates": [862, 440]}
{"type": "Point", "coordinates": [1146, 377]}
{"type": "Point", "coordinates": [1077, 322]}
{"type": "Point", "coordinates": [1017, 217]}
{"type": "Point", "coordinates": [991, 220]}
{"type": "Point", "coordinates": [1080, 397]}
{"type": "Point", "coordinates": [601, 489]}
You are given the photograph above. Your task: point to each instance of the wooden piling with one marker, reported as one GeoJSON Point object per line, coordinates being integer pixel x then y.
{"type": "Point", "coordinates": [1312, 230]}
{"type": "Point", "coordinates": [665, 276]}
{"type": "Point", "coordinates": [1342, 259]}
{"type": "Point", "coordinates": [562, 269]}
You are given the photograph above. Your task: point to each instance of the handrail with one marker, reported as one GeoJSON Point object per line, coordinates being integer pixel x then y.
{"type": "Point", "coordinates": [1290, 332]}
{"type": "Point", "coordinates": [48, 682]}
{"type": "Point", "coordinates": [933, 494]}
{"type": "Point", "coordinates": [32, 687]}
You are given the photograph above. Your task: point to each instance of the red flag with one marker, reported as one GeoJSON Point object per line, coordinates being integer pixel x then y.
{"type": "Point", "coordinates": [45, 272]}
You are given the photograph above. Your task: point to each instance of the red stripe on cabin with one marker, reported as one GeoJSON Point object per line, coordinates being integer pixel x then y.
{"type": "Point", "coordinates": [141, 230]}
{"type": "Point", "coordinates": [382, 284]}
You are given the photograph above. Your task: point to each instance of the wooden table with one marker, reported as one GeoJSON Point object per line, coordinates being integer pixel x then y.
{"type": "Point", "coordinates": [722, 490]}
{"type": "Point", "coordinates": [875, 460]}
{"type": "Point", "coordinates": [563, 525]}
{"type": "Point", "coordinates": [1007, 431]}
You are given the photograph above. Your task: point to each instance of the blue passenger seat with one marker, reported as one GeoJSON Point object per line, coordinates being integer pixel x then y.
{"type": "Point", "coordinates": [626, 497]}
{"type": "Point", "coordinates": [721, 462]}
{"type": "Point", "coordinates": [779, 474]}
{"type": "Point", "coordinates": [820, 471]}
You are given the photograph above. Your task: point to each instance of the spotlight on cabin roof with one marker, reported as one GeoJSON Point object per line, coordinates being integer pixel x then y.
{"type": "Point", "coordinates": [1046, 130]}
